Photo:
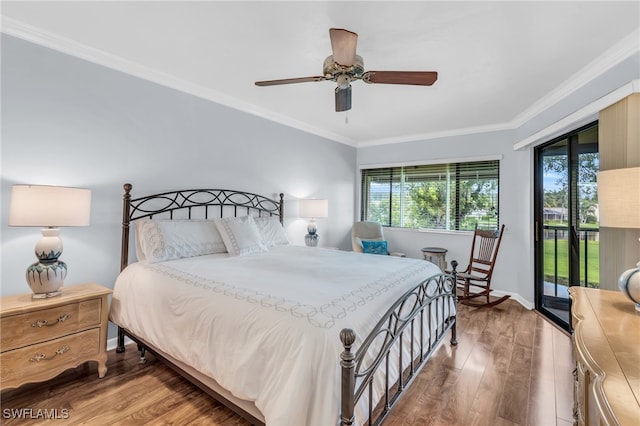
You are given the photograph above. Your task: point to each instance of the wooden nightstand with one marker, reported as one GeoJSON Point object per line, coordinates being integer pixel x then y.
{"type": "Point", "coordinates": [42, 338]}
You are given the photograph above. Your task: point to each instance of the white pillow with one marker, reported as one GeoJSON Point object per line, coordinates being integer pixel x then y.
{"type": "Point", "coordinates": [271, 231]}
{"type": "Point", "coordinates": [159, 240]}
{"type": "Point", "coordinates": [240, 235]}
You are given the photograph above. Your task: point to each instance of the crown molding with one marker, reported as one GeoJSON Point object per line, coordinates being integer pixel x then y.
{"type": "Point", "coordinates": [622, 50]}
{"type": "Point", "coordinates": [70, 47]}
{"type": "Point", "coordinates": [618, 53]}
{"type": "Point", "coordinates": [583, 116]}
{"type": "Point", "coordinates": [436, 135]}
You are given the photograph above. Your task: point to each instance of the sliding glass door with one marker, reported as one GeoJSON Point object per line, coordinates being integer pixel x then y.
{"type": "Point", "coordinates": [566, 220]}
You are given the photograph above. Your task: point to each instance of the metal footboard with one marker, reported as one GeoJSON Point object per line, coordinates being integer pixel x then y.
{"type": "Point", "coordinates": [410, 318]}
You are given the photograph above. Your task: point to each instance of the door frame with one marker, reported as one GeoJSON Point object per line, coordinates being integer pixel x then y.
{"type": "Point", "coordinates": [572, 210]}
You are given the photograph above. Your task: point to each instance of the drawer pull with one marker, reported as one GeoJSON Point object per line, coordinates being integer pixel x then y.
{"type": "Point", "coordinates": [42, 357]}
{"type": "Point", "coordinates": [42, 323]}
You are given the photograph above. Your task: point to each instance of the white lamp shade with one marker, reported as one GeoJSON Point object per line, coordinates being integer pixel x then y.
{"type": "Point", "coordinates": [313, 208]}
{"type": "Point", "coordinates": [619, 198]}
{"type": "Point", "coordinates": [49, 206]}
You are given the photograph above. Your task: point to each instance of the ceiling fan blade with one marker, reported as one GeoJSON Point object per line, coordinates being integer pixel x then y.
{"type": "Point", "coordinates": [290, 80]}
{"type": "Point", "coordinates": [418, 78]}
{"type": "Point", "coordinates": [343, 45]}
{"type": "Point", "coordinates": [343, 99]}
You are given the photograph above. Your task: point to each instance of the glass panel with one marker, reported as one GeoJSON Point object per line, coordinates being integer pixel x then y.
{"type": "Point", "coordinates": [379, 187]}
{"type": "Point", "coordinates": [588, 227]}
{"type": "Point", "coordinates": [478, 195]}
{"type": "Point", "coordinates": [427, 197]}
{"type": "Point", "coordinates": [555, 201]}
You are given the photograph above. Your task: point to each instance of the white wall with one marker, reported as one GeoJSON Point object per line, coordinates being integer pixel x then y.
{"type": "Point", "coordinates": [514, 271]}
{"type": "Point", "coordinates": [69, 122]}
{"type": "Point", "coordinates": [512, 266]}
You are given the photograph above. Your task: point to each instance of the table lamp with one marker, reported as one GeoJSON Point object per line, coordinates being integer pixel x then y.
{"type": "Point", "coordinates": [312, 209]}
{"type": "Point", "coordinates": [619, 207]}
{"type": "Point", "coordinates": [48, 207]}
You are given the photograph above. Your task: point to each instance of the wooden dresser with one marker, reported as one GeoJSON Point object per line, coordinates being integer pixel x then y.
{"type": "Point", "coordinates": [606, 345]}
{"type": "Point", "coordinates": [43, 337]}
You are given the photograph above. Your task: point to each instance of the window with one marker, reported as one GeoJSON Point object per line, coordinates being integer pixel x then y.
{"type": "Point", "coordinates": [453, 196]}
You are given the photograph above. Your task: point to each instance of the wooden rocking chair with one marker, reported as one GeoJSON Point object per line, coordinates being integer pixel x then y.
{"type": "Point", "coordinates": [484, 251]}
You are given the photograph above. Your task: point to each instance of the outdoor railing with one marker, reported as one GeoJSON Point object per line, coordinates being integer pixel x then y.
{"type": "Point", "coordinates": [560, 233]}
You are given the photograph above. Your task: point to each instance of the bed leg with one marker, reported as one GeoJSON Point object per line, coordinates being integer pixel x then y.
{"type": "Point", "coordinates": [348, 337]}
{"type": "Point", "coordinates": [454, 337]}
{"type": "Point", "coordinates": [454, 273]}
{"type": "Point", "coordinates": [143, 351]}
{"type": "Point", "coordinates": [120, 346]}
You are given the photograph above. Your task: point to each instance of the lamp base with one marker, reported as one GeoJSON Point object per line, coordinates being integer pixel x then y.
{"type": "Point", "coordinates": [311, 240]}
{"type": "Point", "coordinates": [46, 279]}
{"type": "Point", "coordinates": [629, 284]}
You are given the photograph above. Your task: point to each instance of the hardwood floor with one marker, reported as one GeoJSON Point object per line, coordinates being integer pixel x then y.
{"type": "Point", "coordinates": [511, 367]}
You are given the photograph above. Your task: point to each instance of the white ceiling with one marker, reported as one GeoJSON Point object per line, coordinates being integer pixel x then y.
{"type": "Point", "coordinates": [499, 63]}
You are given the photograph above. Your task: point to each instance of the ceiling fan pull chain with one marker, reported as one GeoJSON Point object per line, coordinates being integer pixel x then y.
{"type": "Point", "coordinates": [346, 117]}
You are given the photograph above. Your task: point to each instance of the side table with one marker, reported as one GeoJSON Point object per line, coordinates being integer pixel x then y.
{"type": "Point", "coordinates": [436, 255]}
{"type": "Point", "coordinates": [43, 337]}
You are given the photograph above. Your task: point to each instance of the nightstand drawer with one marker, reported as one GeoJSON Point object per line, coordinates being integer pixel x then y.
{"type": "Point", "coordinates": [46, 324]}
{"type": "Point", "coordinates": [46, 360]}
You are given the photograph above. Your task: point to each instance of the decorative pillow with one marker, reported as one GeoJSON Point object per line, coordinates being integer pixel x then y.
{"type": "Point", "coordinates": [359, 240]}
{"type": "Point", "coordinates": [240, 235]}
{"type": "Point", "coordinates": [160, 240]}
{"type": "Point", "coordinates": [375, 247]}
{"type": "Point", "coordinates": [271, 231]}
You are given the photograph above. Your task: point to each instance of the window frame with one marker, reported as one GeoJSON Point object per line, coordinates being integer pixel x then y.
{"type": "Point", "coordinates": [453, 225]}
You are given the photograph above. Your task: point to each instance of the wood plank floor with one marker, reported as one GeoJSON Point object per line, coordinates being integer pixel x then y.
{"type": "Point", "coordinates": [511, 367]}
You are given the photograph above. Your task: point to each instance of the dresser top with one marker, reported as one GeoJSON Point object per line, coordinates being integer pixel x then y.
{"type": "Point", "coordinates": [607, 332]}
{"type": "Point", "coordinates": [15, 304]}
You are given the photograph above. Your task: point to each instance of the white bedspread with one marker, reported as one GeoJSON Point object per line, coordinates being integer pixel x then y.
{"type": "Point", "coordinates": [265, 326]}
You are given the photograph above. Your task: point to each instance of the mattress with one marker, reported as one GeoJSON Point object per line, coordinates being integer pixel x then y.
{"type": "Point", "coordinates": [265, 326]}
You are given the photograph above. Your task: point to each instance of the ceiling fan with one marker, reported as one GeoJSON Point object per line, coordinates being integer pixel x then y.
{"type": "Point", "coordinates": [344, 66]}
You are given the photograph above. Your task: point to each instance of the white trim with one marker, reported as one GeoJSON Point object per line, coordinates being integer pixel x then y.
{"type": "Point", "coordinates": [428, 231]}
{"type": "Point", "coordinates": [582, 116]}
{"type": "Point", "coordinates": [113, 343]}
{"type": "Point", "coordinates": [515, 296]}
{"type": "Point", "coordinates": [432, 161]}
{"type": "Point", "coordinates": [619, 52]}
{"type": "Point", "coordinates": [65, 45]}
{"type": "Point", "coordinates": [435, 135]}
{"type": "Point", "coordinates": [622, 50]}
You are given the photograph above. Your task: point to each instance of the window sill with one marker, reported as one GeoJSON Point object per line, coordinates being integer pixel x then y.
{"type": "Point", "coordinates": [427, 231]}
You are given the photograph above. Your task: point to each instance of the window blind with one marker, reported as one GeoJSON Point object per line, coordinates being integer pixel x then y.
{"type": "Point", "coordinates": [451, 196]}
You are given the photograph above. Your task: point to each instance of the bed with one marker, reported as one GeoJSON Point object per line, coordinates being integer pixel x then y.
{"type": "Point", "coordinates": [280, 334]}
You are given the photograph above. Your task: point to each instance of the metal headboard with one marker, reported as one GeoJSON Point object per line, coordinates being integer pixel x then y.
{"type": "Point", "coordinates": [203, 203]}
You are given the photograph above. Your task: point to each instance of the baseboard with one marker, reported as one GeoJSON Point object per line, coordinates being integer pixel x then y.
{"type": "Point", "coordinates": [515, 296]}
{"type": "Point", "coordinates": [113, 343]}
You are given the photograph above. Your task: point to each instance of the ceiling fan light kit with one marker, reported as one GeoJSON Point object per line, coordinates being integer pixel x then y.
{"type": "Point", "coordinates": [344, 66]}
{"type": "Point", "coordinates": [343, 99]}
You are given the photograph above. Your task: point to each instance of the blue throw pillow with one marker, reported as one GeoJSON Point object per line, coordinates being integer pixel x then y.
{"type": "Point", "coordinates": [375, 247]}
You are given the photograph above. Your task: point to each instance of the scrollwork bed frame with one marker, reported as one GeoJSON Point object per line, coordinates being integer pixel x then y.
{"type": "Point", "coordinates": [395, 328]}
